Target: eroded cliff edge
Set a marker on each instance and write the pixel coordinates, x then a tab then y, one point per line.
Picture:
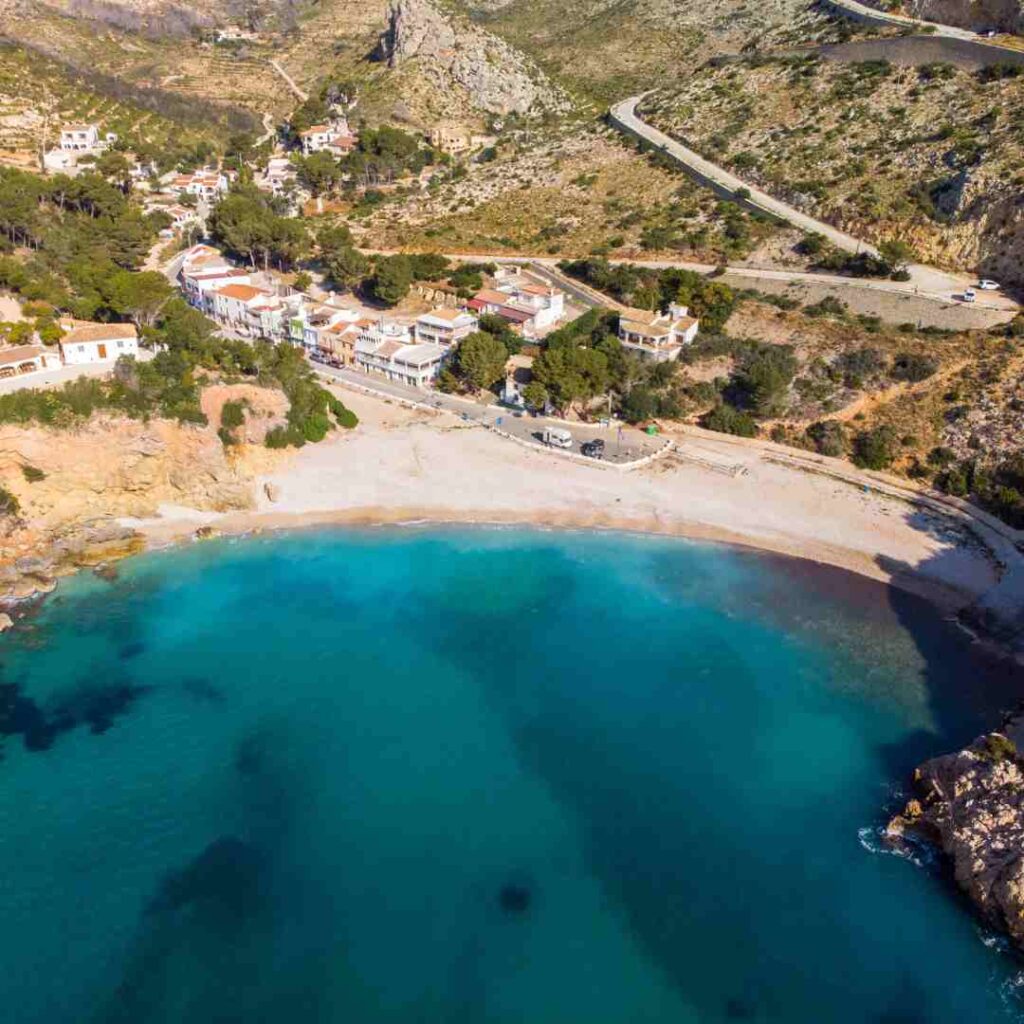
970	804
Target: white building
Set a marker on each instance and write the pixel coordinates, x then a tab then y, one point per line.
204	184
79	138
387	348
445	326
657	336
334	138
24	359
98	343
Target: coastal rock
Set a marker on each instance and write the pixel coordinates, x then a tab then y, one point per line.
5	622
971	805
497	78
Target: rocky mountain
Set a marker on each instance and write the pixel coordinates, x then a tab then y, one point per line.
971	805
496	78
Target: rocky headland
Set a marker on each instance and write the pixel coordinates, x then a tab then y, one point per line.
970	804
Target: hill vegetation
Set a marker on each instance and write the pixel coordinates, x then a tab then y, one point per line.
928	154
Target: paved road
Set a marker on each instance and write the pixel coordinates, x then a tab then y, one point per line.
1002	307
626	446
927	280
862	12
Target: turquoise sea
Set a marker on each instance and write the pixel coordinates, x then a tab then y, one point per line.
482	776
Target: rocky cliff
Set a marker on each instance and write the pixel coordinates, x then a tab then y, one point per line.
453	54
72	486
971	805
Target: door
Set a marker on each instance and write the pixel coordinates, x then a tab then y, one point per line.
102	351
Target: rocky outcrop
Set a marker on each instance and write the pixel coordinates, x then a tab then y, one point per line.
80	481
496	78
971	805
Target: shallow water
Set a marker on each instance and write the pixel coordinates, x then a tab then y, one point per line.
482	776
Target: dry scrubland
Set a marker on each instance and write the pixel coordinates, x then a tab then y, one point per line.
962	393
573	191
929	154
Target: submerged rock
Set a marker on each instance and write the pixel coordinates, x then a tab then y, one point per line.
514	899
971	805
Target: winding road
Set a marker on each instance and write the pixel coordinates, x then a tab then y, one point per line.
872	15
924	279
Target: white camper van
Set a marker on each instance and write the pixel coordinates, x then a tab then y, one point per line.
556	437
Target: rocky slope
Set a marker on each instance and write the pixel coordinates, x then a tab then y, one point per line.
927	153
72	485
453	54
971	805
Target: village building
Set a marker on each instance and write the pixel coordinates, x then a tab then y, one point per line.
657	336
80	138
334	138
386	348
203	184
278	176
249	309
518	373
336	344
24	359
445	326
450	138
528	308
98	343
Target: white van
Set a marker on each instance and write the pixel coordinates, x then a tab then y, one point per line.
556	437
969	295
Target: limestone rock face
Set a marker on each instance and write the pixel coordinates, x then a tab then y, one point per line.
497	78
972	806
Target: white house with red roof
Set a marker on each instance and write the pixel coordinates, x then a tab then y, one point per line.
335	138
655	335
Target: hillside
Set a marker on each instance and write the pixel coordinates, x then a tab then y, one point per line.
603	50
929	154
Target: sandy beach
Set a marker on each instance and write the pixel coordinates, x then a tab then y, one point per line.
403	466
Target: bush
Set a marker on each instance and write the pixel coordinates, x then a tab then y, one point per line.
913	367
347	418
284	437
728	420
33	474
9	504
232	415
828	437
875	449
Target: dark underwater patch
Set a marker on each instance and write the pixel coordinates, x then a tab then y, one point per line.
222	882
95	706
132	650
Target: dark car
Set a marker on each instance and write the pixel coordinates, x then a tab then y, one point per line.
593	449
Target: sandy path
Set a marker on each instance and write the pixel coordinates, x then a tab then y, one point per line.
402	466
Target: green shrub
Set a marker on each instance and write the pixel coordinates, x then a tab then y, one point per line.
9	504
875	449
728	420
33	474
232	415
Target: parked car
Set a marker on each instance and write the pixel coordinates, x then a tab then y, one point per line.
969	295
593	449
988	286
556	437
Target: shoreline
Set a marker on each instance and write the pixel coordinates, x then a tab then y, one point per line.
167	533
